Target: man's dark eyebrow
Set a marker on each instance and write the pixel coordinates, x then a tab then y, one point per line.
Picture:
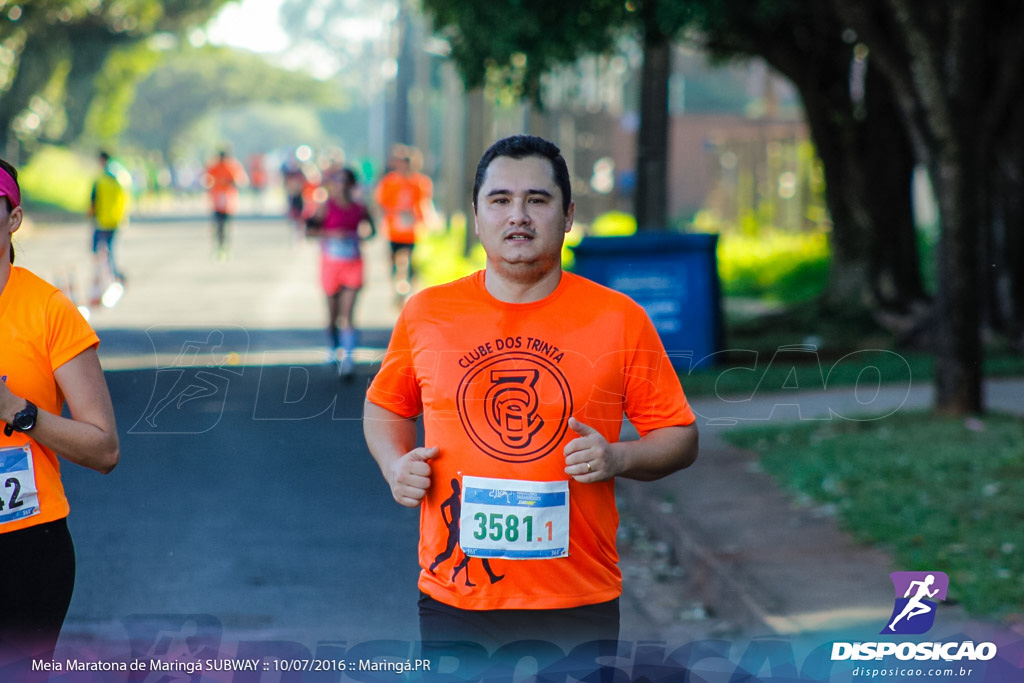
500	191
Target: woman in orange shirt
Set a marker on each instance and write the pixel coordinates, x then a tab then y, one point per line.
49	356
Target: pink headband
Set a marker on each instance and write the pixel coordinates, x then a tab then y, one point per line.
9	188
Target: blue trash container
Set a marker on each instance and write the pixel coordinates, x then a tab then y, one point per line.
674	276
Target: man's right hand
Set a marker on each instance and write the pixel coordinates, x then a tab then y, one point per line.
409	477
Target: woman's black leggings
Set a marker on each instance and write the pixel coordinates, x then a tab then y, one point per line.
37	577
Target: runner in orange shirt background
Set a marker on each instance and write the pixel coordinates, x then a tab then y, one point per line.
405	198
223	177
521	374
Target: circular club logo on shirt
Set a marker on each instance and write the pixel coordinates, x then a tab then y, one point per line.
515	407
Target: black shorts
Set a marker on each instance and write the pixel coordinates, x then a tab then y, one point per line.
36	582
401	246
103	237
493	629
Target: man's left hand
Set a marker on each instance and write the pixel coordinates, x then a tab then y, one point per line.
589	457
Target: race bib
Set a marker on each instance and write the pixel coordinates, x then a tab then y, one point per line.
407	219
346	248
18	495
514	520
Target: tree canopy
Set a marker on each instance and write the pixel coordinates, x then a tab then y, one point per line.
193	81
56	48
886	85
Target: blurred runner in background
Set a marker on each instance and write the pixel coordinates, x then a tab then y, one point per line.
404	196
223	177
108	207
257	163
340	223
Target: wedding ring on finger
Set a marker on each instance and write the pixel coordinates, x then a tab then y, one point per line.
589	468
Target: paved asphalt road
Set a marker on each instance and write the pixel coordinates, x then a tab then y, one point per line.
246	502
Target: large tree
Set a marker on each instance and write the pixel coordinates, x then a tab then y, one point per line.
956	68
192	82
73	39
853	120
936	79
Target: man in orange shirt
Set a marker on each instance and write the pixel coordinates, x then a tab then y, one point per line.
521	374
223	178
404	196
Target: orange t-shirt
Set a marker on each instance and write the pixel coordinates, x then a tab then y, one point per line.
401	198
40	330
223	178
496	383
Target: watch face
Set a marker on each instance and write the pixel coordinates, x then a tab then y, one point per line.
25	419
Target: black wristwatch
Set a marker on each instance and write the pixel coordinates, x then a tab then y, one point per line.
24	419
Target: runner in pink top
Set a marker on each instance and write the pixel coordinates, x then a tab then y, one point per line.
341	223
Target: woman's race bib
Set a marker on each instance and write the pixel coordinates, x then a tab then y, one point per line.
341	248
18	495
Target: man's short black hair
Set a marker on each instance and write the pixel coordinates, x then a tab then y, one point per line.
521	147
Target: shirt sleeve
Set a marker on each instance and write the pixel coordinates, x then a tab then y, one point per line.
68	333
395	386
654	394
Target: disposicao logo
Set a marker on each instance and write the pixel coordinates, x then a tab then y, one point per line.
917	596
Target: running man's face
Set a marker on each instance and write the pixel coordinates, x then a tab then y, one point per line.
519	217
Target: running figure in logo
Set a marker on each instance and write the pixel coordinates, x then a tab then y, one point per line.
450	509
915	606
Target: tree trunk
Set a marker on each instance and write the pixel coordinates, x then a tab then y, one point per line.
651	196
36	64
958	321
953	67
477	119
1004	260
867	157
89	46
887	166
401	130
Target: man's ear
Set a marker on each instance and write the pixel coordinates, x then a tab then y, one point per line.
569	216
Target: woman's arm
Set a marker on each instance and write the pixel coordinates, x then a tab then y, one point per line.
89	438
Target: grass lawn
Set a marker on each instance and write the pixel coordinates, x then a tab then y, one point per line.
939	494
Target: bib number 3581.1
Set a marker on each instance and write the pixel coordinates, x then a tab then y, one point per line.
515	520
18	495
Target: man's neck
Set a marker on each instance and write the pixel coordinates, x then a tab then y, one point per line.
526	290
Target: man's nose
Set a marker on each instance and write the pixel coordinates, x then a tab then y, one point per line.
518	214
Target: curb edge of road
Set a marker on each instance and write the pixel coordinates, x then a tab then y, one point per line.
722	591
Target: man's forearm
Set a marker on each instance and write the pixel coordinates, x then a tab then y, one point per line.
659	453
388	436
